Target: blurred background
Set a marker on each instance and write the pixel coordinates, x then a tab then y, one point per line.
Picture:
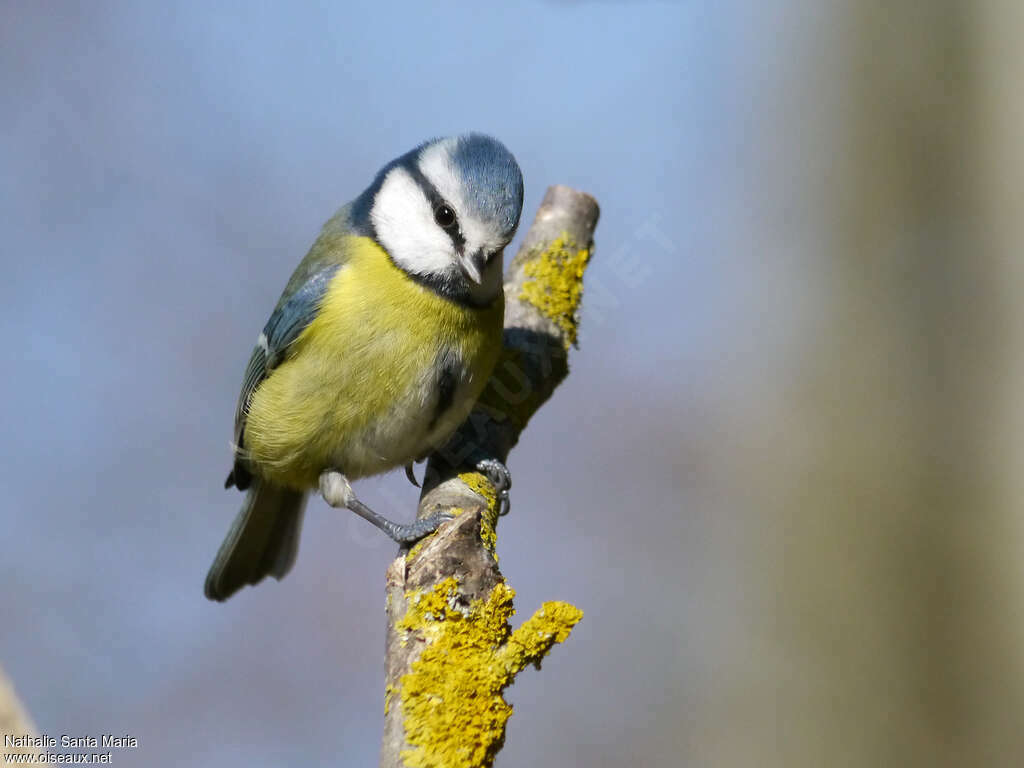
783	481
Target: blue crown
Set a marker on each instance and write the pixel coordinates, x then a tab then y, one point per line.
492	179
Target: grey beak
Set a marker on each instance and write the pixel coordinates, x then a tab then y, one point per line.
473	265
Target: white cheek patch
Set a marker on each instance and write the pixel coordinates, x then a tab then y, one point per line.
405	225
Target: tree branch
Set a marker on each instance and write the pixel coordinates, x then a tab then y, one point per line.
15	722
450	650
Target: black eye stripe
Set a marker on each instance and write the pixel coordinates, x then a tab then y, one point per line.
436	201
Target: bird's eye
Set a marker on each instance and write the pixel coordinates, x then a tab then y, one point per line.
444	216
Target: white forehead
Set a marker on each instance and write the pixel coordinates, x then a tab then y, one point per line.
435	163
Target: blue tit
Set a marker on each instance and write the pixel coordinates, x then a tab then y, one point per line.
376	351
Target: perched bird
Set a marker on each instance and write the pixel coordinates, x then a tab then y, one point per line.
376	351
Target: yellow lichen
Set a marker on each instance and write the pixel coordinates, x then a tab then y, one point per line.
550	625
480	484
556	286
452	703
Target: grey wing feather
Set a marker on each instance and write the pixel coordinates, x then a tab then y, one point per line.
255	372
294	312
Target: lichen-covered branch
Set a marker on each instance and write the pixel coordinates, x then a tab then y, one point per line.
451	651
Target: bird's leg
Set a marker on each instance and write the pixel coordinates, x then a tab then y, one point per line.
337	492
500	478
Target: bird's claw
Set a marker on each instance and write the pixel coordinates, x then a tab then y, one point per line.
501	479
409	473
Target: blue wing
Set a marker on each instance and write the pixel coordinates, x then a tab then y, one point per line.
293	313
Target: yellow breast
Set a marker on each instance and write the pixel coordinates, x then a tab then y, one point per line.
359	392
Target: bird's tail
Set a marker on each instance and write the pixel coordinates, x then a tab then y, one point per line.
264	539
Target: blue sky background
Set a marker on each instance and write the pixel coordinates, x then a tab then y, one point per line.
162	169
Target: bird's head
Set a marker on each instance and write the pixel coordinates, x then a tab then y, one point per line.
446	210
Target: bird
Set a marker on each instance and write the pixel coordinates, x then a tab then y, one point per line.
380	344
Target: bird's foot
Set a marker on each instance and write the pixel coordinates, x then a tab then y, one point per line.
409	533
501	479
337	491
